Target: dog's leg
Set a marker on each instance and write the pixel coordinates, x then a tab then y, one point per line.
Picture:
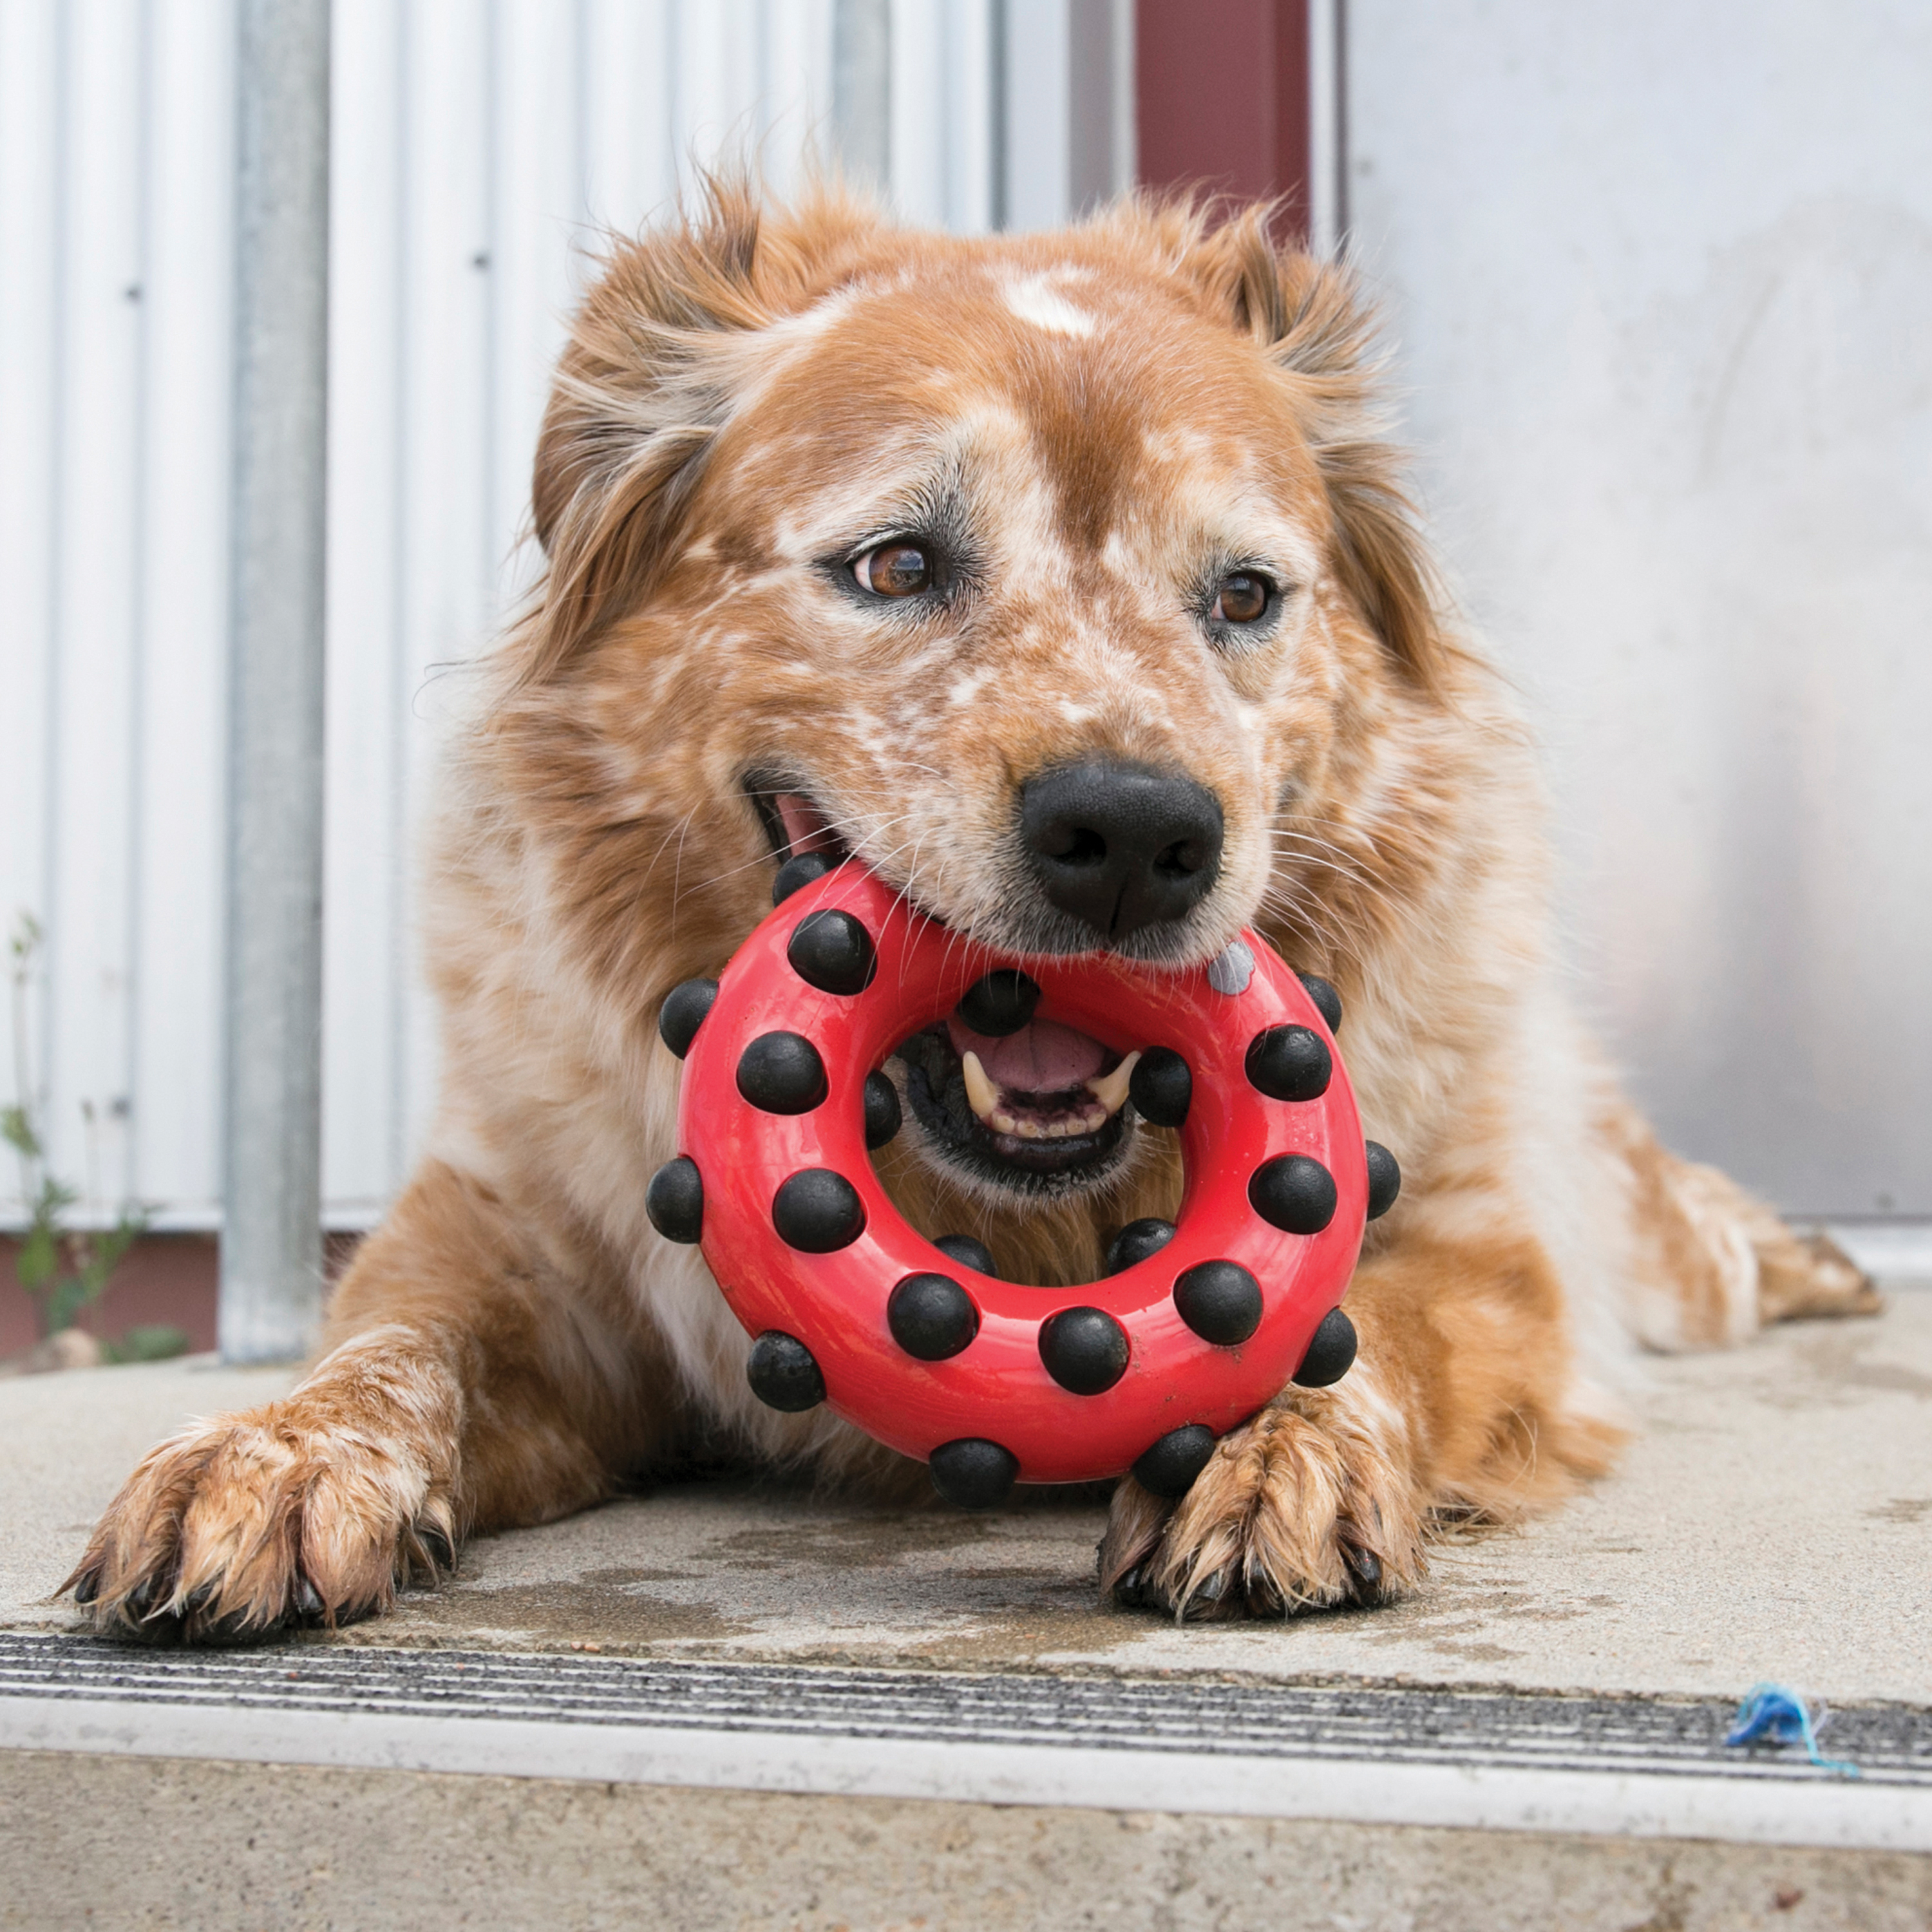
471	1384
1710	1263
1463	1402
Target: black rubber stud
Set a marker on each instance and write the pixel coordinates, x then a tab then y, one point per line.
931	1317
1161	1088
831	951
1289	1062
1136	1241
799	871
675	1200
682	1013
818	1211
968	1252
972	1473
1331	1352
781	1073
783	1374
1220	1301
1295	1193
1084	1349
1169	1468
1001	1004
882	1110
1327	1001
1384	1179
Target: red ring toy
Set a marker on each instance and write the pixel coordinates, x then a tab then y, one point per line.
1206	1344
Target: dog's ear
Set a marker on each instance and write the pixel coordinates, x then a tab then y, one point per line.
1311	320
662	344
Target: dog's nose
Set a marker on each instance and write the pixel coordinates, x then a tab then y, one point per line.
1120	846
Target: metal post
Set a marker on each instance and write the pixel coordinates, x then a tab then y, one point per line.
271	1229
861	90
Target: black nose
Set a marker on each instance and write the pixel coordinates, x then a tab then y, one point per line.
1120	846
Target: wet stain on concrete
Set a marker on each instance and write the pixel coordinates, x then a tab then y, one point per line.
554	1612
1901	1509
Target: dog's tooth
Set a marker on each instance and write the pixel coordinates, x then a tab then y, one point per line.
1110	1090
982	1096
1028	1130
1003	1122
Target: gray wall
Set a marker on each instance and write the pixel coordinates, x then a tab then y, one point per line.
1660	279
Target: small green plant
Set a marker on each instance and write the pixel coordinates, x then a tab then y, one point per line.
65	1269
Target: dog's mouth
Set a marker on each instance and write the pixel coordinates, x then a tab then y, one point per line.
1043	1110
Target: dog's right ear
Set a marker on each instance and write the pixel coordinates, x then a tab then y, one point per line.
658	353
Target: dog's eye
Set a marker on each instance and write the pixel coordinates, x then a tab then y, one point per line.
896	570
1241	597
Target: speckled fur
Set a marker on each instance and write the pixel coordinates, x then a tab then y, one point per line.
1105	413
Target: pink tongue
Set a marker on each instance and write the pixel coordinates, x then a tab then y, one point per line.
1043	1058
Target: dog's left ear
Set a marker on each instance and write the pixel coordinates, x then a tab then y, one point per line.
664	342
1311	320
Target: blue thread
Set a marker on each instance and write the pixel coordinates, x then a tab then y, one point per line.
1770	1714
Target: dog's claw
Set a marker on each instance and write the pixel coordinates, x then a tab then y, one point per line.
1130	1591
1365	1574
433	1541
309	1606
87	1586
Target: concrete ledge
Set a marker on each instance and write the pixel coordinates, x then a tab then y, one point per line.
183	1846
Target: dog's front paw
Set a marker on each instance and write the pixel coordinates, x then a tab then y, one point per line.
298	1513
1310	1504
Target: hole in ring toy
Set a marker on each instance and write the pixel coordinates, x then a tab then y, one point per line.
990	1382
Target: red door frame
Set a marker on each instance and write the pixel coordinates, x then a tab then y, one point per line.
1221	100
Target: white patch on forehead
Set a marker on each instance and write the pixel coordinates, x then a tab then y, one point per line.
1036	300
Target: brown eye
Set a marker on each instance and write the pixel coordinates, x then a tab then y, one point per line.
1244	598
895	570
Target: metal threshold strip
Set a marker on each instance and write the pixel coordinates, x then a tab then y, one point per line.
1494	1760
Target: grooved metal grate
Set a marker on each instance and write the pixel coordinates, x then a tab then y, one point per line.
1891	1745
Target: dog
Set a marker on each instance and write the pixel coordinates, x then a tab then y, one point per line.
855	538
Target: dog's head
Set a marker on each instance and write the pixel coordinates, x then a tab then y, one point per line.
1052	576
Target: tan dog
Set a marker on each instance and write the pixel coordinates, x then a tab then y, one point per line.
861	539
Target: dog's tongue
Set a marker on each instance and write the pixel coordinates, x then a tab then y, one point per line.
1043	1058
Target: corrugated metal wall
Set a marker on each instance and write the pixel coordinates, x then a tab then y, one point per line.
479	147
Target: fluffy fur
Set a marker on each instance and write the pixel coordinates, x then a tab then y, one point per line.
1097	423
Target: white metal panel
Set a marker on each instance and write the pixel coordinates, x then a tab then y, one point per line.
30	330
364	875
100	551
181	613
1660	275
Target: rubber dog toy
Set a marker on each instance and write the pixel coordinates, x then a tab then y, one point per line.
918	1343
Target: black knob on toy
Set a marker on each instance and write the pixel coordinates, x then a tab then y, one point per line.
972	1473
1331	1352
818	1211
1289	1062
931	1317
1294	1192
1084	1349
1220	1301
1161	1088
675	1200
1326	1000
1001	1004
1136	1241
1384	1179
799	871
781	1073
1169	1468
783	1374
682	1013
968	1252
831	951
882	1110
